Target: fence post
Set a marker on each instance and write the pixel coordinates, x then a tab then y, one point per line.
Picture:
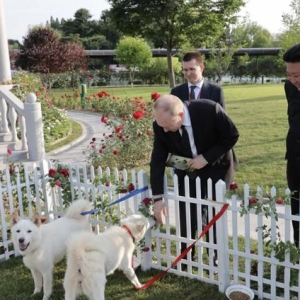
146	252
222	240
34	128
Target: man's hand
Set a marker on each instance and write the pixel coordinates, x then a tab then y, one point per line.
198	162
160	211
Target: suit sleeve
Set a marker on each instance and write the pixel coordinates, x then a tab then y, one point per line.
158	160
227	136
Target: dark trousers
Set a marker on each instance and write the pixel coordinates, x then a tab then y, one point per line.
193	212
293	179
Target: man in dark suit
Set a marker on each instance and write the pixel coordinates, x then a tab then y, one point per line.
211	135
197	87
192	68
292	92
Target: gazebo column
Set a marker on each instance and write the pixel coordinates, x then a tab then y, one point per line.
5	72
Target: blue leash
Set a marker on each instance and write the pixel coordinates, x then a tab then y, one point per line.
133	193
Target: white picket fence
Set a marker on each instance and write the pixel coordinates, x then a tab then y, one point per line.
242	257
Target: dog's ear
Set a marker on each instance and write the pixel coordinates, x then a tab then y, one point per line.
140	226
15	218
35	219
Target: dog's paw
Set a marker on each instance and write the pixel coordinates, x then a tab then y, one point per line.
36	291
137	286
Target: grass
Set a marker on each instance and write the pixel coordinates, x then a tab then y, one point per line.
260	114
16	283
76	132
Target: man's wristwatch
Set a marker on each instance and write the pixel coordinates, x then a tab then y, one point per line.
157	199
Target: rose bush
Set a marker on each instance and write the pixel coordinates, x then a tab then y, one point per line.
129	143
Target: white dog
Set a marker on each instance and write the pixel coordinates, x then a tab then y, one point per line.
91	257
44	245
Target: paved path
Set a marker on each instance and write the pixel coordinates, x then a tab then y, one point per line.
92	128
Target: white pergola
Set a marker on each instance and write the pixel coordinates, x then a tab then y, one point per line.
5	72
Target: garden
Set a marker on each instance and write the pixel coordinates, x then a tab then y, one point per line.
261	147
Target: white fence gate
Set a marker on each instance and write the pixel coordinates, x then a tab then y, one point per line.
241	241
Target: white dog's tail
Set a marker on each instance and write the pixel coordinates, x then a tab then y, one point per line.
76	208
85	263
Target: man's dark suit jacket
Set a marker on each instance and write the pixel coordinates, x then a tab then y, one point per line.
293	137
209	91
214	134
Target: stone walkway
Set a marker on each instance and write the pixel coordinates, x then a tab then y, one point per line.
92	128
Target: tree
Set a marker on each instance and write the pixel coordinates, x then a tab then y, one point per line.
134	54
43	52
92	34
157	72
291	22
82	24
251	35
174	21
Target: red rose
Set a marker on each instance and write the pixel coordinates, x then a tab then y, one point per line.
155	96
9	151
233	186
131	187
118	128
115	152
146	201
100	151
146	249
138	114
52	172
64	172
253	200
279	201
107	183
57	183
104	120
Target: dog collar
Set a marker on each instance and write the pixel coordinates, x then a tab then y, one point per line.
129	232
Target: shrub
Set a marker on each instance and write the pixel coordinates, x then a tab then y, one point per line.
130	142
56	123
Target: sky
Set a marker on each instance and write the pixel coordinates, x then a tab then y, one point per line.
19	15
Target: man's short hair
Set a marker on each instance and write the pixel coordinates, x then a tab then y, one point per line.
292	54
193	55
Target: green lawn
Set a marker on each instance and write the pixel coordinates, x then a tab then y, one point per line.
16	283
260	113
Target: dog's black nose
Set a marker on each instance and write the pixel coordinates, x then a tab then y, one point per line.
21	240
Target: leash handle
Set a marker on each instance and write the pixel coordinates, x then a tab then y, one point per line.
131	194
207	227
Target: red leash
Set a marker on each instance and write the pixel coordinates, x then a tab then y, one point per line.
207	227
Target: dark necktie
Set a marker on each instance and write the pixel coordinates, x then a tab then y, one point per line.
185	143
192	94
